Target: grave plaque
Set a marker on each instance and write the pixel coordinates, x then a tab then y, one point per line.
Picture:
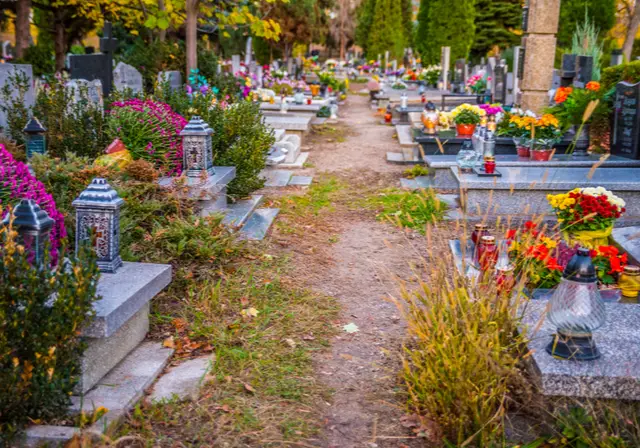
500	84
521	55
235	64
525	17
625	132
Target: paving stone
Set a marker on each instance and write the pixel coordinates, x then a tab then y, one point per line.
238	213
276	178
36	435
183	381
301	181
259	223
399	158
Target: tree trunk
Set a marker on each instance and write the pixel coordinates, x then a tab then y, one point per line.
163	33
632	29
342	40
192	36
23	33
59	42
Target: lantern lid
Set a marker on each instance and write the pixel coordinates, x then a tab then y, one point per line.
196	126
34	127
99	194
430	106
28	215
580	268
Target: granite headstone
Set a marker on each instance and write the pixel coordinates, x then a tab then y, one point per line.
625	132
9	72
126	76
174	78
96	66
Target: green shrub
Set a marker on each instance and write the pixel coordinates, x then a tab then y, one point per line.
629	72
242	140
39	343
12	97
149	58
41	57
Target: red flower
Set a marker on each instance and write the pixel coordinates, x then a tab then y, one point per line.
610	251
616	265
552	264
511	233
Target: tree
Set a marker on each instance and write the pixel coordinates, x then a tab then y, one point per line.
407	21
422	31
632	30
602	14
495	23
22	25
387	33
342	26
450	24
364	15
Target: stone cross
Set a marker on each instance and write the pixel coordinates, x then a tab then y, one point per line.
248	52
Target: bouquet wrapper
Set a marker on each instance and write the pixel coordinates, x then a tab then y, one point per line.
590	239
118	160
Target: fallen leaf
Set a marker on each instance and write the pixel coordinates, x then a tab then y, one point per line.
291	343
351	328
244	301
169	342
308	337
250	312
249	388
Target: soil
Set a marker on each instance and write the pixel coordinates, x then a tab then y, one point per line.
361	270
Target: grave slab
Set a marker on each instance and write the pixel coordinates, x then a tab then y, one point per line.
277	178
213	188
297	109
182	382
288	122
301	181
299	162
615	375
525	190
444	177
628	239
417	183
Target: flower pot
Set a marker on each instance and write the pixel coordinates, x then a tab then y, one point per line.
523	151
315	89
541	155
465	130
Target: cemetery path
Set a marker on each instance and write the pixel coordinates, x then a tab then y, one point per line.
360	269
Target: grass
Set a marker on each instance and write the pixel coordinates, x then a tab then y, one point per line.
416	171
261	390
408	209
331	133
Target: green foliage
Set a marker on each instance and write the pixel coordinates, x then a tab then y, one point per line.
40	56
12	104
407	21
365	13
242	140
629	71
416	171
585	42
572	12
495	23
410	209
449	24
387	32
40	345
149	58
422	30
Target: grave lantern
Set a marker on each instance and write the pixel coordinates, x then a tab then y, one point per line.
35	138
576	309
404	101
197	151
617	57
33	226
98	221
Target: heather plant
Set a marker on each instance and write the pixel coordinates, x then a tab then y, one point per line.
150	130
16	182
41	311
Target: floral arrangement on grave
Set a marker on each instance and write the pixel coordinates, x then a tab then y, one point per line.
609	263
16	183
587	215
150	130
466	117
535	255
431	75
477	84
398	85
410	75
493	109
534	137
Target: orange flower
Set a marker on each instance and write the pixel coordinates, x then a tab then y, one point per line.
562	94
594	86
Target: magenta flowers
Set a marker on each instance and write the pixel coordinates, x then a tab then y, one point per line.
16	182
150	130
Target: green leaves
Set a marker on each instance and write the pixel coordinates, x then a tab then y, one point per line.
159	20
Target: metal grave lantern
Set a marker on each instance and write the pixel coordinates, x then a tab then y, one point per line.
33	226
98	221
35	138
196	146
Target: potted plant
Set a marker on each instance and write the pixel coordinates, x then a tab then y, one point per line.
587	215
545	133
466	117
518	127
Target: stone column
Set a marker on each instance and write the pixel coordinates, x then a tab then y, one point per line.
540	25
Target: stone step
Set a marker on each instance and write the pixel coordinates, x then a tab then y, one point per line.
405	135
182	382
301	181
259	223
119	391
276	178
401	158
237	214
299	162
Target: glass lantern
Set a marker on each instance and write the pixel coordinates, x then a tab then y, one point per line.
98	221
576	309
430	119
489	145
33	226
299	98
466	158
629	283
404	101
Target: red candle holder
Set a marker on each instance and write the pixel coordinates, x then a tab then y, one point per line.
490	165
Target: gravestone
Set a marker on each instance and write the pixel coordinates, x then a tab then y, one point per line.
386	60
235	64
174	78
11	71
96	66
125	77
248	52
625	132
7	50
445	61
459	75
584	70
515	87
94	92
500	83
490	77
568	72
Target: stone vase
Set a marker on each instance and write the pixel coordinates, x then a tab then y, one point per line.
582	140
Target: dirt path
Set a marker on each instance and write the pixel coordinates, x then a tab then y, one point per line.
361	367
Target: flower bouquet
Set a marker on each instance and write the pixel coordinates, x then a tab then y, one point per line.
477	84
609	262
431	75
535	256
466	117
587	215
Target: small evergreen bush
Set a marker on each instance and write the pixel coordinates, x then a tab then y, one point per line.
41	313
